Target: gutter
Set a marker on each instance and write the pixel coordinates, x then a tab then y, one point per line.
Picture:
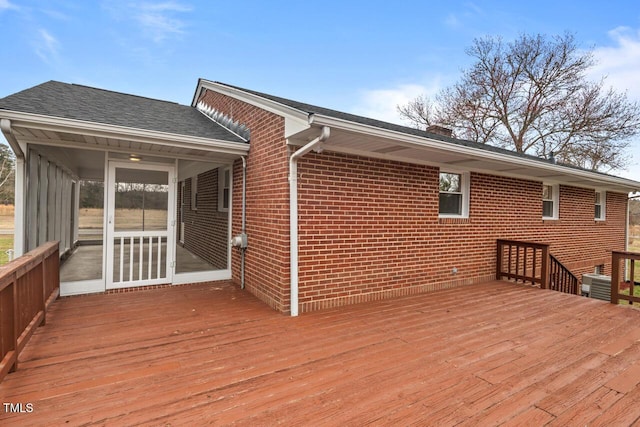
415	141
20	187
293	210
5	125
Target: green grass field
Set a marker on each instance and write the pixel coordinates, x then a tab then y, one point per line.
6	243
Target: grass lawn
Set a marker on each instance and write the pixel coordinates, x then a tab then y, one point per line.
6	240
6	243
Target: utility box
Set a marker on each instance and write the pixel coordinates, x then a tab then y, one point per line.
240	241
596	286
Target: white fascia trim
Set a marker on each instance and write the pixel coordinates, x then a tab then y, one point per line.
57	124
298	120
5	128
412	140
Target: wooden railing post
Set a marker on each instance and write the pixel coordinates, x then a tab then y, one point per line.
16	314
499	259
8	338
615	277
43	290
544	280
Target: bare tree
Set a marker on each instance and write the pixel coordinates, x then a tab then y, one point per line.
533	96
7	175
421	112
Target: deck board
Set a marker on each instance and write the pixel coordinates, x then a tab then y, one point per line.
489	354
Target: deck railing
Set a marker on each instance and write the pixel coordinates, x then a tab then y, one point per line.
529	262
561	278
523	262
28	285
617	276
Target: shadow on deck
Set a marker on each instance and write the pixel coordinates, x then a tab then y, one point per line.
495	352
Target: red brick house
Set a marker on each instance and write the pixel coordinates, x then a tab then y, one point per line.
334	208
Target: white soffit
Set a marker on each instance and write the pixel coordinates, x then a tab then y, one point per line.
354	138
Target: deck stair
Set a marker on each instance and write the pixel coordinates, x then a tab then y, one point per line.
528	262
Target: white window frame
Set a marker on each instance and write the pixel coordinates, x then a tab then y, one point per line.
603	205
555	199
222	171
465	190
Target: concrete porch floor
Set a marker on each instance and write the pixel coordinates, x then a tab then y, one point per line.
86	263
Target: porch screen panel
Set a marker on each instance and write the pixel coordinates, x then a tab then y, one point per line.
59	225
87	262
51	202
43	220
32	201
66	212
205	233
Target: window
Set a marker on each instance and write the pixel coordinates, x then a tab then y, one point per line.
224	185
194	193
454	194
600	202
550	195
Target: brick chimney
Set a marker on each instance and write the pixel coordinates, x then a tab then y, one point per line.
440	130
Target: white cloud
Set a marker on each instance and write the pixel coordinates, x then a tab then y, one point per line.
7	5
158	20
452	21
468	12
382	104
620	63
46	46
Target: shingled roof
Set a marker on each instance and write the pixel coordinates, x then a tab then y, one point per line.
314	109
72	101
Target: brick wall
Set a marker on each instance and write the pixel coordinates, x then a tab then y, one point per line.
267	258
205	229
369	229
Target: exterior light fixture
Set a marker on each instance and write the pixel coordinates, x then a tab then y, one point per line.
135	158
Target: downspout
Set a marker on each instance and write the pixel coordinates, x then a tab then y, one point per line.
244	217
293	211
19	188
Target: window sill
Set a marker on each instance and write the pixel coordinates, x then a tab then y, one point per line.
453	219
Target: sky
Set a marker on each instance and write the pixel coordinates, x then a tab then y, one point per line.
361	57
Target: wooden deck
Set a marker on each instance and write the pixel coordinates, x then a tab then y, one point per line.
490	354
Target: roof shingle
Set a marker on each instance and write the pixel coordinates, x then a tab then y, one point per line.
71	101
